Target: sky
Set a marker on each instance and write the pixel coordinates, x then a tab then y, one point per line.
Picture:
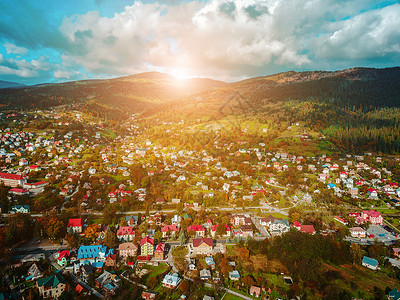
56	41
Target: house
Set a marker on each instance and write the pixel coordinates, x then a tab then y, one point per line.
238	220
18	192
125	233
168	230
171	281
340	220
267	221
357	232
396	251
198	229
132	220
127	249
33	272
111	259
74	226
12	180
205	274
255	291
370	263
210	261
93	253
24	209
176	220
149	295
234	275
52	286
394	294
307	229
192	264
107	278
279	226
372	216
159	252
61	257
247	231
202	246
147	246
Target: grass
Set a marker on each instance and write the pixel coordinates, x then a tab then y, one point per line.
231	297
364	278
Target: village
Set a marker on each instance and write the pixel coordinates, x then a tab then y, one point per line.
100	211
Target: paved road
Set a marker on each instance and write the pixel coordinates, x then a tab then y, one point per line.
261	229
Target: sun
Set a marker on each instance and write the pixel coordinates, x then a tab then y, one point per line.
179	74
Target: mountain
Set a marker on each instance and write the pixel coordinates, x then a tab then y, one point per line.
133	93
9	84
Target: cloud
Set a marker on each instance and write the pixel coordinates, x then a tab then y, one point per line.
11	48
224	39
23	68
369	35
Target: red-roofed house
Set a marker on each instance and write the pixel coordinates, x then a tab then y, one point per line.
12	180
307	229
61	257
198	229
169	230
74	226
125	233
372	216
19	192
147	246
159	252
202	246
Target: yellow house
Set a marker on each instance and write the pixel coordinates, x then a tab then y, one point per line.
147	246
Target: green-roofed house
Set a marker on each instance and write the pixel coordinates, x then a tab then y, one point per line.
370	263
394	294
187	216
52	286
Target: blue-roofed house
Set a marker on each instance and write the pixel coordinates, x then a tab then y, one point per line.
331	186
171	280
370	263
210	261
234	275
93	253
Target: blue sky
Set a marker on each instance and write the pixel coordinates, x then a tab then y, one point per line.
55	41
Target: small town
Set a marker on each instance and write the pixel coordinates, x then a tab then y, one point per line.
200	150
157	221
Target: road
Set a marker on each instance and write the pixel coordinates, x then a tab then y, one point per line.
261	229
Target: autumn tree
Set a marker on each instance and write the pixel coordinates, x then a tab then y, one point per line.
54	228
248	280
110	239
92	232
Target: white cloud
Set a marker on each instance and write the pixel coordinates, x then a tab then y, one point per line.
226	38
366	36
24	68
11	48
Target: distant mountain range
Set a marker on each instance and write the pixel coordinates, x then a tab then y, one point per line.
153	91
9	84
